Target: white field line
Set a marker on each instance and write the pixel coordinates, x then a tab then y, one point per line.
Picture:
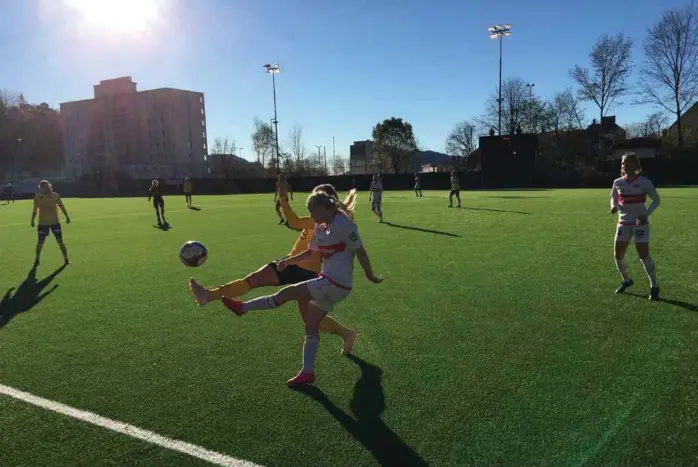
189	449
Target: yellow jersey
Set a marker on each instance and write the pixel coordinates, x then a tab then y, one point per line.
455	185
186	186
48	207
307	226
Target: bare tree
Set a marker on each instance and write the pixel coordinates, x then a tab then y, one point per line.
564	112
295	143
223	145
669	75
264	142
462	140
520	109
611	66
339	165
650	127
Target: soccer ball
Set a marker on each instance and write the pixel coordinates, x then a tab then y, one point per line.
193	254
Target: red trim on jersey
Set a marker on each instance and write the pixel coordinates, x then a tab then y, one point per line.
335	248
632	199
333	282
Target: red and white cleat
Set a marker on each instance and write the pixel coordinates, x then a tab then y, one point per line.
302	378
236	306
200	292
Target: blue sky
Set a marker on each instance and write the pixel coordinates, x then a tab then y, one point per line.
344	65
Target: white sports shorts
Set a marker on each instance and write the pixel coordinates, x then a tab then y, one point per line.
325	294
625	233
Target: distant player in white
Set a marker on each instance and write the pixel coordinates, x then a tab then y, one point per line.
628	198
335	241
375	195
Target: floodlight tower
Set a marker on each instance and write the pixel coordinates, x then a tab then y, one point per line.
498	31
273	70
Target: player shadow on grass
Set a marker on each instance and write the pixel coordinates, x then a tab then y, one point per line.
495	210
366	426
419	229
27	296
677	303
165	226
194	208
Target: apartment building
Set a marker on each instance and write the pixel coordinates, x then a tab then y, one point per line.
141	134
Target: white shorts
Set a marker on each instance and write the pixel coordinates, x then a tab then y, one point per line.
325	294
625	233
376	204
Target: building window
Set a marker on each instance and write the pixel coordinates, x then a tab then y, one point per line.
201	99
203	135
203	123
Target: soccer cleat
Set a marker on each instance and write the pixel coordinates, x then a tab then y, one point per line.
200	292
654	293
236	306
282	221
67	261
348	342
624	286
450	205
302	378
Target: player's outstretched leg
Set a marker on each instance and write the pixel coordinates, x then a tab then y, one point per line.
297	292
331	326
263	277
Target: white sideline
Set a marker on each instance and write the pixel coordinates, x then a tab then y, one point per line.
129	430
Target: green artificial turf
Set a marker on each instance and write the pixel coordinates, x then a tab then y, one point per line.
496	338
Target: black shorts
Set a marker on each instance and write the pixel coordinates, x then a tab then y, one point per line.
187	193
43	231
158	202
292	274
455	192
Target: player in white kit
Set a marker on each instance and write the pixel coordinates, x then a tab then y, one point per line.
628	198
335	241
375	195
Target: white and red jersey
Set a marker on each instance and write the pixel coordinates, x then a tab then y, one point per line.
337	242
629	195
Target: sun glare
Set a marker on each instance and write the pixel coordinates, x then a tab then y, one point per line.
117	16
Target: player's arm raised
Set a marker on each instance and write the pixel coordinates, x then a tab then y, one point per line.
295	222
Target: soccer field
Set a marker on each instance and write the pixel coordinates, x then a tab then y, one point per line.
496	338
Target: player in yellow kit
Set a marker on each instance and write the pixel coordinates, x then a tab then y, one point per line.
281	184
455	189
186	189
269	274
46	203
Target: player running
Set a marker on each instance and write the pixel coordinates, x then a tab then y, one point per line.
335	242
455	189
9	193
628	197
270	275
186	189
46	203
155	194
417	186
376	197
281	184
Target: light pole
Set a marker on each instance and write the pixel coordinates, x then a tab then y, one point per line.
319	155
273	70
240	153
530	107
498	31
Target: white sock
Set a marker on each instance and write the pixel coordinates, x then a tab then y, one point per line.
622	266
650	270
262	303
310	348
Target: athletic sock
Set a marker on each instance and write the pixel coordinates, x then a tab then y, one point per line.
622	266
262	303
650	269
310	348
235	288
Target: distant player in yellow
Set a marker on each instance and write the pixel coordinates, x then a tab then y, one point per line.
281	184
186	188
455	189
46	203
269	274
